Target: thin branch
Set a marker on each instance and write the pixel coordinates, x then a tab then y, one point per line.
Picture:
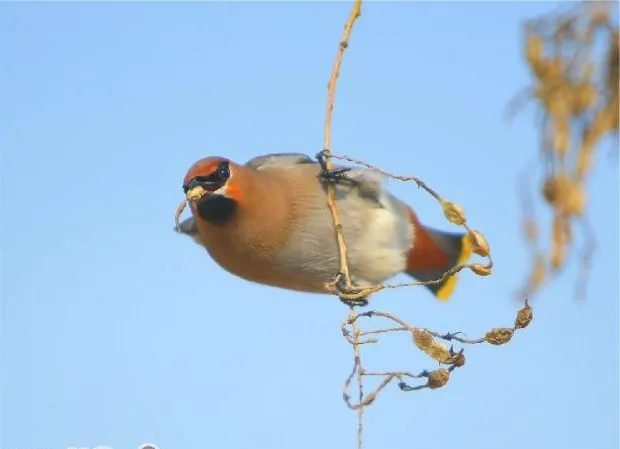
331	91
344	267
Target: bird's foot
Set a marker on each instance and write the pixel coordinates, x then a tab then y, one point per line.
349	294
357	302
334	175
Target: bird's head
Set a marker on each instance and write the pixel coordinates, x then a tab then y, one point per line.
217	176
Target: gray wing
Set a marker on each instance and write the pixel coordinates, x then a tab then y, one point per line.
367	181
279	160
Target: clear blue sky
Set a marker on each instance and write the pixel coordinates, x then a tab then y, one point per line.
116	331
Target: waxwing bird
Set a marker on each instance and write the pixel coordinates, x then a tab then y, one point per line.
268	221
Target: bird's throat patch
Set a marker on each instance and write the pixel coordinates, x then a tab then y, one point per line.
216	209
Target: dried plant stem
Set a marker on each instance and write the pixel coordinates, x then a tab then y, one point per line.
360	385
342	284
331	201
424	339
331	91
418	181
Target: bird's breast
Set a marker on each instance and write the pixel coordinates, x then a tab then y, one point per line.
252	244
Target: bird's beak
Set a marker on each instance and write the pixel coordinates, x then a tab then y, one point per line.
192	184
208	186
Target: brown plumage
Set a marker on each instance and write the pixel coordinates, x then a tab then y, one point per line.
267	221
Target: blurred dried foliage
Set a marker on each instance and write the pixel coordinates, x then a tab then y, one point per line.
573	57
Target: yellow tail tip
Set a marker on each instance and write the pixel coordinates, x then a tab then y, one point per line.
447	288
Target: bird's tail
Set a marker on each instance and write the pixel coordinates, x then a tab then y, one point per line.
434	252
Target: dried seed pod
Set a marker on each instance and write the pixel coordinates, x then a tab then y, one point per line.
555	187
426	342
456	359
524	317
479	244
422	339
438	352
550	190
370	398
453	212
499	335
479	269
438	378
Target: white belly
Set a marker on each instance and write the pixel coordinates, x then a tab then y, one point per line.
377	236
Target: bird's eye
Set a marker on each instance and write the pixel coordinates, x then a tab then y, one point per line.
223	172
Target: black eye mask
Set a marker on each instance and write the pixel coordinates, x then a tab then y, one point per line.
211	182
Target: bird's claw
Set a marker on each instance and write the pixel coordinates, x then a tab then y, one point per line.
357	302
335	175
345	290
